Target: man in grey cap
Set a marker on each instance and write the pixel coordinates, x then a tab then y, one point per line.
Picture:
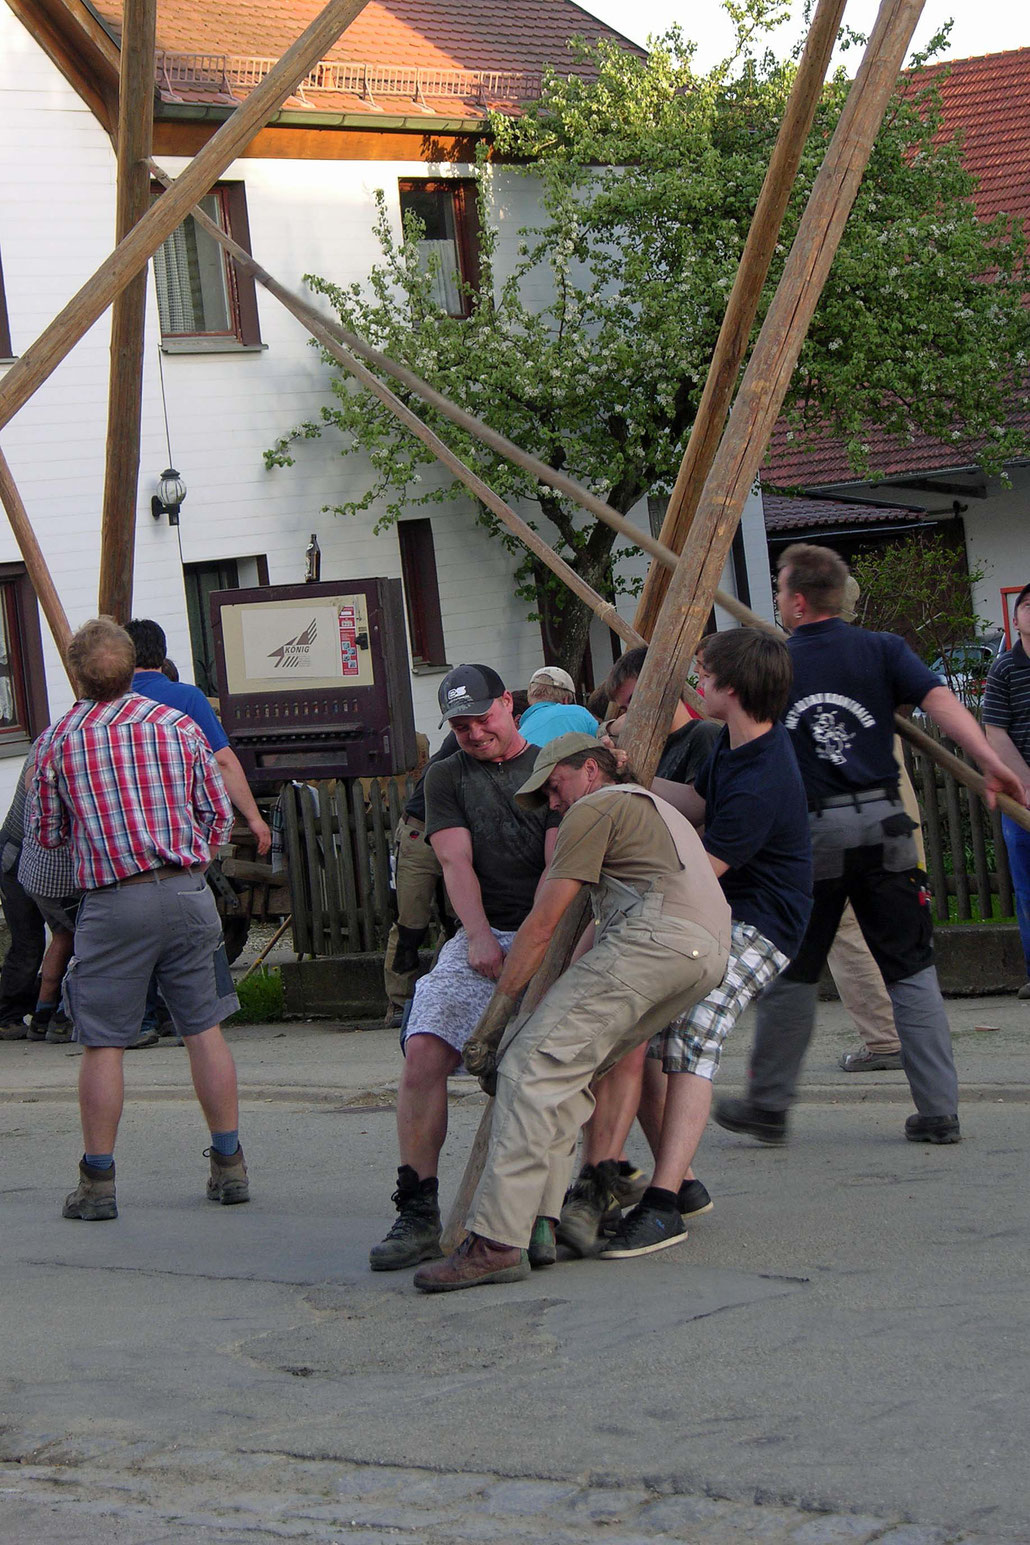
493	854
662	927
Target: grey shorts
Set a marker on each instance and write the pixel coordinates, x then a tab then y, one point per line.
59	912
449	1000
125	934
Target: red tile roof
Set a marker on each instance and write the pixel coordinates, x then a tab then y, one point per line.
988	100
469	53
783	513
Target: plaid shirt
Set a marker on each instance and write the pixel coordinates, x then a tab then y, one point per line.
134	786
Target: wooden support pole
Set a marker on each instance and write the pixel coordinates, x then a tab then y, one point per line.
43	356
125	383
35	563
742	306
692	587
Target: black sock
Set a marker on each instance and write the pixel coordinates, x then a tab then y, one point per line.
664	1201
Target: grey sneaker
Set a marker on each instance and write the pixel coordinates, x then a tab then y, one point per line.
1024	992
769	1126
866	1061
643	1231
13	1030
588	1201
415	1235
228	1181
93	1199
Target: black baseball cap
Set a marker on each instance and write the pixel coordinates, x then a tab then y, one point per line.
469	691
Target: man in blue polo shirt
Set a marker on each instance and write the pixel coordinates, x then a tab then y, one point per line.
1006	716
840	715
150	681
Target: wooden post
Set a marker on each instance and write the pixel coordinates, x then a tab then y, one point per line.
742	306
125	384
43	356
35	563
692	588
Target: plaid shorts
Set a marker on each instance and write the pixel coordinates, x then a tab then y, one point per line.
693	1042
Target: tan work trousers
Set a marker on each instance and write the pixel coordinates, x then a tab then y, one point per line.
418	870
644	970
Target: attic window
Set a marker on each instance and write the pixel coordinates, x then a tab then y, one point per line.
202	297
448	243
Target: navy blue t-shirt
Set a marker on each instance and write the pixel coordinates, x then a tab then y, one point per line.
756	820
847	684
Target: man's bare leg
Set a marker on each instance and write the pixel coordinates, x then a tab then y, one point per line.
422	1102
214	1078
51	972
617	1099
688	1100
101	1095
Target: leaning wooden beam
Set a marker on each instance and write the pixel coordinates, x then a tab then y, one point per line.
960	770
35	563
43	356
692	589
125	383
742	306
757	407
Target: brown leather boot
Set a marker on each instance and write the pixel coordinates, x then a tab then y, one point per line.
228	1182
476	1260
93	1199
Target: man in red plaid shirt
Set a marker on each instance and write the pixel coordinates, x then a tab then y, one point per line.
133	787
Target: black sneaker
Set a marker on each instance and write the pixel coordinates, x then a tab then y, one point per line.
588	1201
692	1199
415	1235
769	1126
933	1129
643	1231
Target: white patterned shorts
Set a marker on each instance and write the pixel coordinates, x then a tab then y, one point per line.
693	1042
449	1000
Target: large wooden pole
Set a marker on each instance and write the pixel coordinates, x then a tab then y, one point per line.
35	563
742	305
125	383
41	358
692	587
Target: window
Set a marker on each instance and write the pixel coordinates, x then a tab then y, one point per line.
24	710
421	593
202	297
200	580
6	352
450	244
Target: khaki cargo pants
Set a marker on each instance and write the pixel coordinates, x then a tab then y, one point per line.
645	970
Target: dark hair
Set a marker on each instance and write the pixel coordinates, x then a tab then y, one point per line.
597	702
605	760
626	668
817	573
170	669
102	659
756	665
1020	598
149	641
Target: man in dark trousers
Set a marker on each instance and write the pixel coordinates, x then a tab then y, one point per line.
847	684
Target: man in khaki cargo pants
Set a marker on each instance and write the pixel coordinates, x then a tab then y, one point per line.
662	936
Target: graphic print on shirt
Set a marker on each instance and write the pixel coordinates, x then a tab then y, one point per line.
825	716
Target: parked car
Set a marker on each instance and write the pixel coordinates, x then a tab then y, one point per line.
964	667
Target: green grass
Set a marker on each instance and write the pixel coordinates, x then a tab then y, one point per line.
996	914
261	999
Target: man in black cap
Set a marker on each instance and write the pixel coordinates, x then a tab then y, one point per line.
493	854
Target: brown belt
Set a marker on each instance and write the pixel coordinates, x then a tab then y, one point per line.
162	872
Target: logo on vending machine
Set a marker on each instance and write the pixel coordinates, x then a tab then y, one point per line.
295	651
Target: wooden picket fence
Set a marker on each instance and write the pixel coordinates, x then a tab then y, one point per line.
338	836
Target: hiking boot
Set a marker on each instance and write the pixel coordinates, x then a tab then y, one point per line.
475	1262
692	1199
769	1126
93	1199
415	1235
60	1030
228	1181
144	1039
1024	992
543	1249
643	1231
866	1061
588	1201
13	1030
933	1129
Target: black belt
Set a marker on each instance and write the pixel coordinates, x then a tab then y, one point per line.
856	798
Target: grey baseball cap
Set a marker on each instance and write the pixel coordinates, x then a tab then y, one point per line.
531	794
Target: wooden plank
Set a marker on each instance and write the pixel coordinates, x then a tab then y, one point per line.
742	306
380	862
300	905
330	858
314	862
35	564
363	871
341	802
1006	900
934	842
958	850
283	143
43	356
125	382
981	869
